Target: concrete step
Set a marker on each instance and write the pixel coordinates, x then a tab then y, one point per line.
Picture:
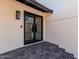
67	55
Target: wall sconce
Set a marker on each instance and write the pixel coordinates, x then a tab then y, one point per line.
18	14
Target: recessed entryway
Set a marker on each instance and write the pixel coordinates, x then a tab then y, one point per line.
33	28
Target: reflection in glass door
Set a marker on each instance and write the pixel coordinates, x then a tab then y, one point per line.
33	28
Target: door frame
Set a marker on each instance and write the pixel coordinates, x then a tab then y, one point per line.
25	12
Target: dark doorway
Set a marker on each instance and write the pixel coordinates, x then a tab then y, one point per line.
33	28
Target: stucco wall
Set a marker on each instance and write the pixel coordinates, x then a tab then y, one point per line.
11	35
61	26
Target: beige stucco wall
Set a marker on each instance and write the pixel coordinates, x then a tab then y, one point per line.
11	35
62	25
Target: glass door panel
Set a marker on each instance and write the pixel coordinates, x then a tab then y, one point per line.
38	20
39	28
29	20
29	36
28	28
38	36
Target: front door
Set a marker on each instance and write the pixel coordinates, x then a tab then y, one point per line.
33	28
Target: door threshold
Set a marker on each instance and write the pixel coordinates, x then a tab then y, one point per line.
33	43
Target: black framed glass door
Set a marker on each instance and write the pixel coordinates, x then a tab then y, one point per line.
33	28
